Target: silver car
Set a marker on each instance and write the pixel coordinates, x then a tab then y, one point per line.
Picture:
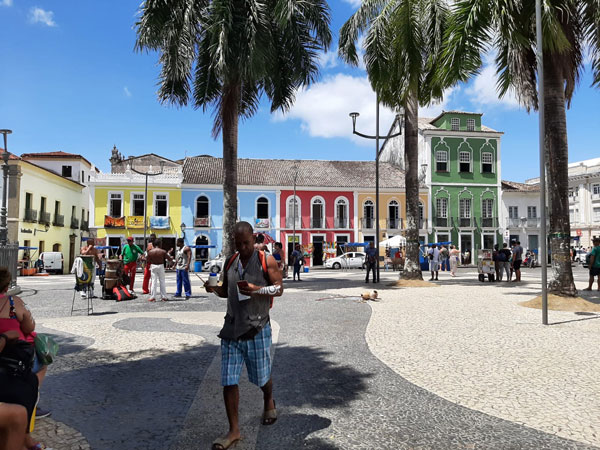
350	260
213	265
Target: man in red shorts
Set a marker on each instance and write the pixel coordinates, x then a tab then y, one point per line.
130	255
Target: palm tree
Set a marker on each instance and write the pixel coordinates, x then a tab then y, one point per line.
225	54
508	27
402	46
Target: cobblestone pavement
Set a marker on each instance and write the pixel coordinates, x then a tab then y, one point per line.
427	368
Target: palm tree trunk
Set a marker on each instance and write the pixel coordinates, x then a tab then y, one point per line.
558	179
412	268
230	117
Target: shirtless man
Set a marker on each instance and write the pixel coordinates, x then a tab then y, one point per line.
146	283
156	261
90	250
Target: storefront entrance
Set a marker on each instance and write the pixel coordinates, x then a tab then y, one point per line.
466	248
317	253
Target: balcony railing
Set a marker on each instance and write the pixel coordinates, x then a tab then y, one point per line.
317	222
368	222
489	222
289	222
533	222
465	222
30	215
441	221
202	222
85	225
74	223
44	218
394	224
513	223
573	199
341	223
59	220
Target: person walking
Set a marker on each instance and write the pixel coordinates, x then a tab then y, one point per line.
594	264
183	256
454	256
371	261
130	255
434	261
249	292
444	258
156	260
517	255
147	274
297	260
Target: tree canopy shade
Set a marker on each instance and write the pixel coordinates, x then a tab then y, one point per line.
225	54
403	45
508	28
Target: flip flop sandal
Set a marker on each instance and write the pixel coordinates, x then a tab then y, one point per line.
270	417
223	443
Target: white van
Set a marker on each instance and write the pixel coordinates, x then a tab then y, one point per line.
53	262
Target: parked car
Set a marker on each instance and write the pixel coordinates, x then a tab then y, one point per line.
52	262
352	260
213	265
586	259
580	256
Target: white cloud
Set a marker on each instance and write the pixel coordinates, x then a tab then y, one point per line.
323	108
328	60
127	91
39	15
6	3
354	3
483	92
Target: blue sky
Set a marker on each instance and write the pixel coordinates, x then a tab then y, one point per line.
71	81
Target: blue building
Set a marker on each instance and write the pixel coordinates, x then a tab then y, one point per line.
202	205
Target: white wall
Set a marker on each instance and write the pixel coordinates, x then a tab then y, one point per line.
521	200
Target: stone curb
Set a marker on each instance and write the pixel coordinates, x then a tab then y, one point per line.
58	436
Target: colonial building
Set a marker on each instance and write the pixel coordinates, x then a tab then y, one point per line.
520	214
459	160
48	205
119	200
584	200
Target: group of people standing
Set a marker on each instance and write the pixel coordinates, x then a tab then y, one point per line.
508	260
444	258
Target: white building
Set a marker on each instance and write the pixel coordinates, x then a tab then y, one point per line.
584	200
520	214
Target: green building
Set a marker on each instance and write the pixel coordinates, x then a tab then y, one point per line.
460	165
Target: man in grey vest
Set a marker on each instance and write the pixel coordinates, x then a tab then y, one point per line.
182	260
246	334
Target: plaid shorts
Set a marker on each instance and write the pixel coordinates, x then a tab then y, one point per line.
256	353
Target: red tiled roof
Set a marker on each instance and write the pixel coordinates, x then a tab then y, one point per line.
54	155
520	187
11	155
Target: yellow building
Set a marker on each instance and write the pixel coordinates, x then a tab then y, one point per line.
118	206
48	209
392	214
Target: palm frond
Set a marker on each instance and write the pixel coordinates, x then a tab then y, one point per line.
591	30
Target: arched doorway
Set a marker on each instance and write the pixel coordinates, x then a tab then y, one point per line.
202	253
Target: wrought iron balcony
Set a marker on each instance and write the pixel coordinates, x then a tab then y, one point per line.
533	222
422	224
31	215
489	222
289	222
317	222
465	222
85	225
202	222
74	223
394	224
441	221
59	220
513	223
44	218
368	222
341	223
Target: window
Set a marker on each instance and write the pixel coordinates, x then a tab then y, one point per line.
202	207
161	205
293	212
487	208
73	212
441	161
455	124
532	212
487	165
595	190
513	212
574	215
42	247
573	194
82	214
28	200
82	176
341	213
317	213
393	215
471	126
67	171
596	215
137	205
465	208
441	206
464	162
262	208
368	214
56	208
115	205
43	205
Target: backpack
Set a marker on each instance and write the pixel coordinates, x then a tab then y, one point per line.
121	293
263	261
501	256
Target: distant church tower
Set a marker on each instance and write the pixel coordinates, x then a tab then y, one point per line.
115	159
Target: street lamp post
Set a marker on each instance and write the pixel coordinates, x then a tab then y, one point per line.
294	209
354	116
3	210
147	174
